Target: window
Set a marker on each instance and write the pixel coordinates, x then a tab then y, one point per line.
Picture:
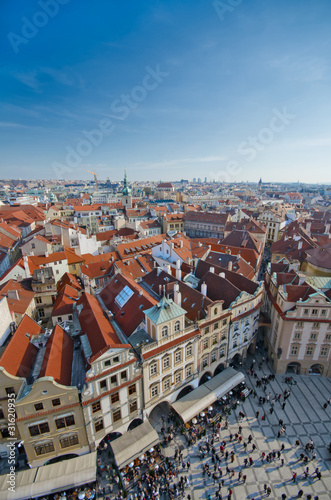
299	324
314	312
189	371
38	406
213	356
215	326
177	326
204	362
189	350
324	351
69	441
178	356
205	344
39	300
164	332
178	377
117	415
10	390
328	336
57	271
309	351
33	245
316	325
113	381
122	298
133	406
294	351
98	425
222	352
305	312
323	312
166	362
132	389
1	414
297	335
37	429
42	449
115	398
103	385
65	422
313	336
224	322
154	391
153	369
116	359
107	363
123	376
96	407
207	329
215	311
214	339
41	313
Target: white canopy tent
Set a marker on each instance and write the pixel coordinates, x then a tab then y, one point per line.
205	395
134	443
52	478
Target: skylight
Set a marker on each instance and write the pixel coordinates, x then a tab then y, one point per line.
122	298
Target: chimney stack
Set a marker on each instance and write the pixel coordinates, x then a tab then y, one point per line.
212	269
177	295
230	265
204	289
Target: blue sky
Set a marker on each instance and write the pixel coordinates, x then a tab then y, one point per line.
167	89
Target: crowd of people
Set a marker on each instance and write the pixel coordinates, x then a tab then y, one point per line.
227	455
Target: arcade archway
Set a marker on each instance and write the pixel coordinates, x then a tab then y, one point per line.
184	391
316	369
135	423
205	377
219	369
294	368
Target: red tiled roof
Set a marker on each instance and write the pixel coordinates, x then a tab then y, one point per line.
64	301
24	295
206	217
57	362
69	279
19	355
100	332
139	302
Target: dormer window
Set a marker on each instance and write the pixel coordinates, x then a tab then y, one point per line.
164	332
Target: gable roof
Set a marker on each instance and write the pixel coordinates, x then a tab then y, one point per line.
19	355
130	314
23	292
95	325
57	361
64	301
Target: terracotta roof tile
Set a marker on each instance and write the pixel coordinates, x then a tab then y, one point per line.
19	355
57	362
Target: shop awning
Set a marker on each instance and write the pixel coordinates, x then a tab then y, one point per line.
134	443
194	402
53	478
23	482
206	394
225	382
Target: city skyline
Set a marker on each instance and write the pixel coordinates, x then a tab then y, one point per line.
231	91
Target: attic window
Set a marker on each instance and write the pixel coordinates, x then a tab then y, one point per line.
122	298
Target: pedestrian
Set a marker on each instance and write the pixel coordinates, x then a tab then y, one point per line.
268	491
284	496
265	487
280	423
253	447
283	406
257	414
294	477
271	410
282	462
325	406
244	478
300	493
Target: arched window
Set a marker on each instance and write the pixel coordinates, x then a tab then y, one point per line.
164	332
177	326
215	311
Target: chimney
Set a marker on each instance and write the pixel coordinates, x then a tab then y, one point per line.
212	269
181	244
26	267
13	294
300	245
158	272
46	254
327	229
308	227
42	277
230	265
222	275
204	289
177	295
